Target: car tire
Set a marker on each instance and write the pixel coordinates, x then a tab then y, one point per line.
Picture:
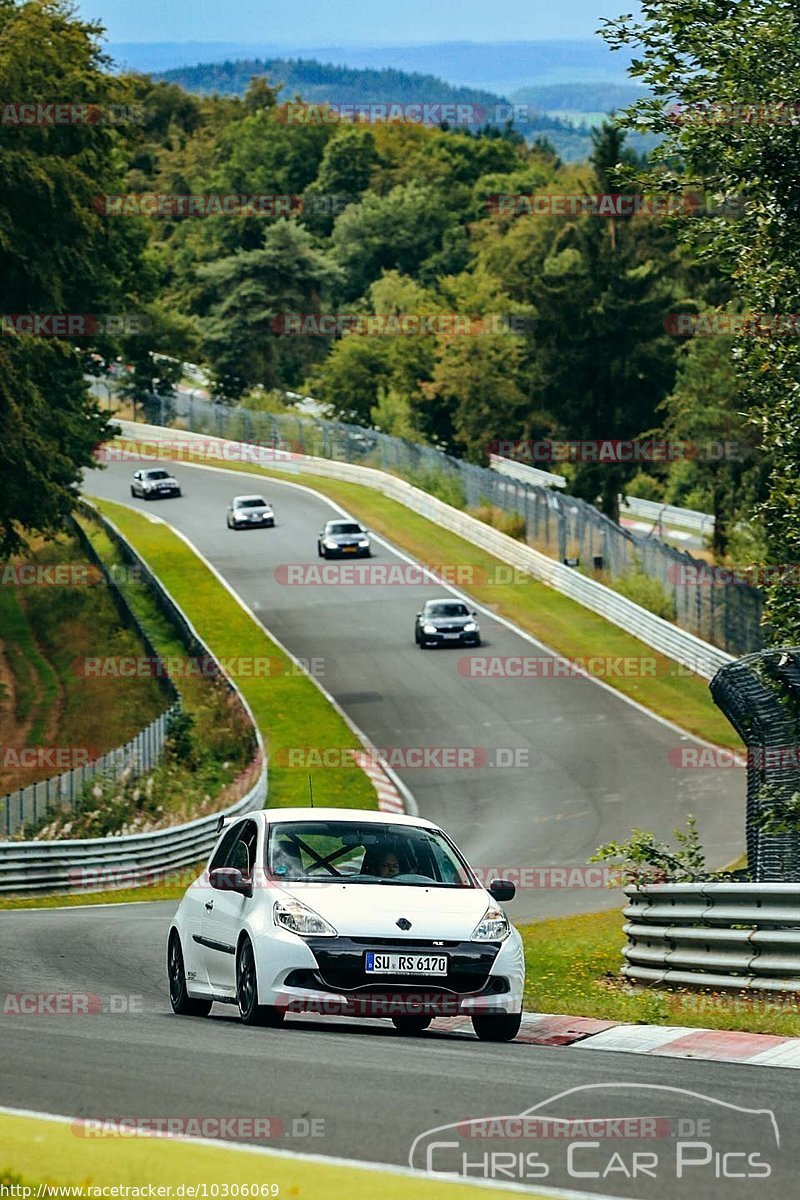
411	1026
182	1003
250	1011
322	553
133	491
496	1027
478	641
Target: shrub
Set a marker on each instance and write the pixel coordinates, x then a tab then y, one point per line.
648	592
445	485
510	523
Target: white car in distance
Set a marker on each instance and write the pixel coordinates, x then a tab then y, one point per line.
345	912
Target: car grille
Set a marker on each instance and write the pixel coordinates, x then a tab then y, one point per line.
341	965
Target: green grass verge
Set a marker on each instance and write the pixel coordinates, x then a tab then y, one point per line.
573	968
286	704
36	1151
561	623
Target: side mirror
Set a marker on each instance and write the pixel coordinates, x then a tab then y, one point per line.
503	889
230	879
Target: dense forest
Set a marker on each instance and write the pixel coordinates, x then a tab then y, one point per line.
572	312
320	82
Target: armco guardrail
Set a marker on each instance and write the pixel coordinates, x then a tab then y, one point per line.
668	514
632	506
127	861
131	859
726	936
661	635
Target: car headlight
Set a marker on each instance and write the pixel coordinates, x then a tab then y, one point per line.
429	629
330	543
493	927
364	543
299	918
471	627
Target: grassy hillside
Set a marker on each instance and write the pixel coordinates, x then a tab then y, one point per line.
46	701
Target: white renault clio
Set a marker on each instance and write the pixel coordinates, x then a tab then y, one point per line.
347	912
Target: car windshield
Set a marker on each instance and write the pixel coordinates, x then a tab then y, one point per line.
447	610
343	851
250	502
344	527
156	474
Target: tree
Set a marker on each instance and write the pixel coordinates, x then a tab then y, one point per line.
705	410
393	232
474	386
253	292
57	255
724	79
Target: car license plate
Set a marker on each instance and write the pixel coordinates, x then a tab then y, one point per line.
349	549
406	964
452	635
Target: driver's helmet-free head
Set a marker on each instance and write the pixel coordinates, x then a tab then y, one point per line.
382	861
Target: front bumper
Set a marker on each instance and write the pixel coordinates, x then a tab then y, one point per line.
261	523
347	552
443	639
327	975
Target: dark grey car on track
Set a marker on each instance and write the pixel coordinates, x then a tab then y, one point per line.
446	622
250	512
343	539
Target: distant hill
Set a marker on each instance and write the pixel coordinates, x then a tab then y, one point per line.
319	83
500	67
579	97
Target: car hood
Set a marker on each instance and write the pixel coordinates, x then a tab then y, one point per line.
361	909
160	482
448	622
256	509
343	538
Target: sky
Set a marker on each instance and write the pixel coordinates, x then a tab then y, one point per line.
299	23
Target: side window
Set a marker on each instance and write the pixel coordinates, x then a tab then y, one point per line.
243	852
224	847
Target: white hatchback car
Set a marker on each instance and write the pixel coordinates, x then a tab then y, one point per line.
346	912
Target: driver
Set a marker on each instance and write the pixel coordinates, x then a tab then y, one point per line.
384	863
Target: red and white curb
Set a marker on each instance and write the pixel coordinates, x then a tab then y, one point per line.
390	798
668	1041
